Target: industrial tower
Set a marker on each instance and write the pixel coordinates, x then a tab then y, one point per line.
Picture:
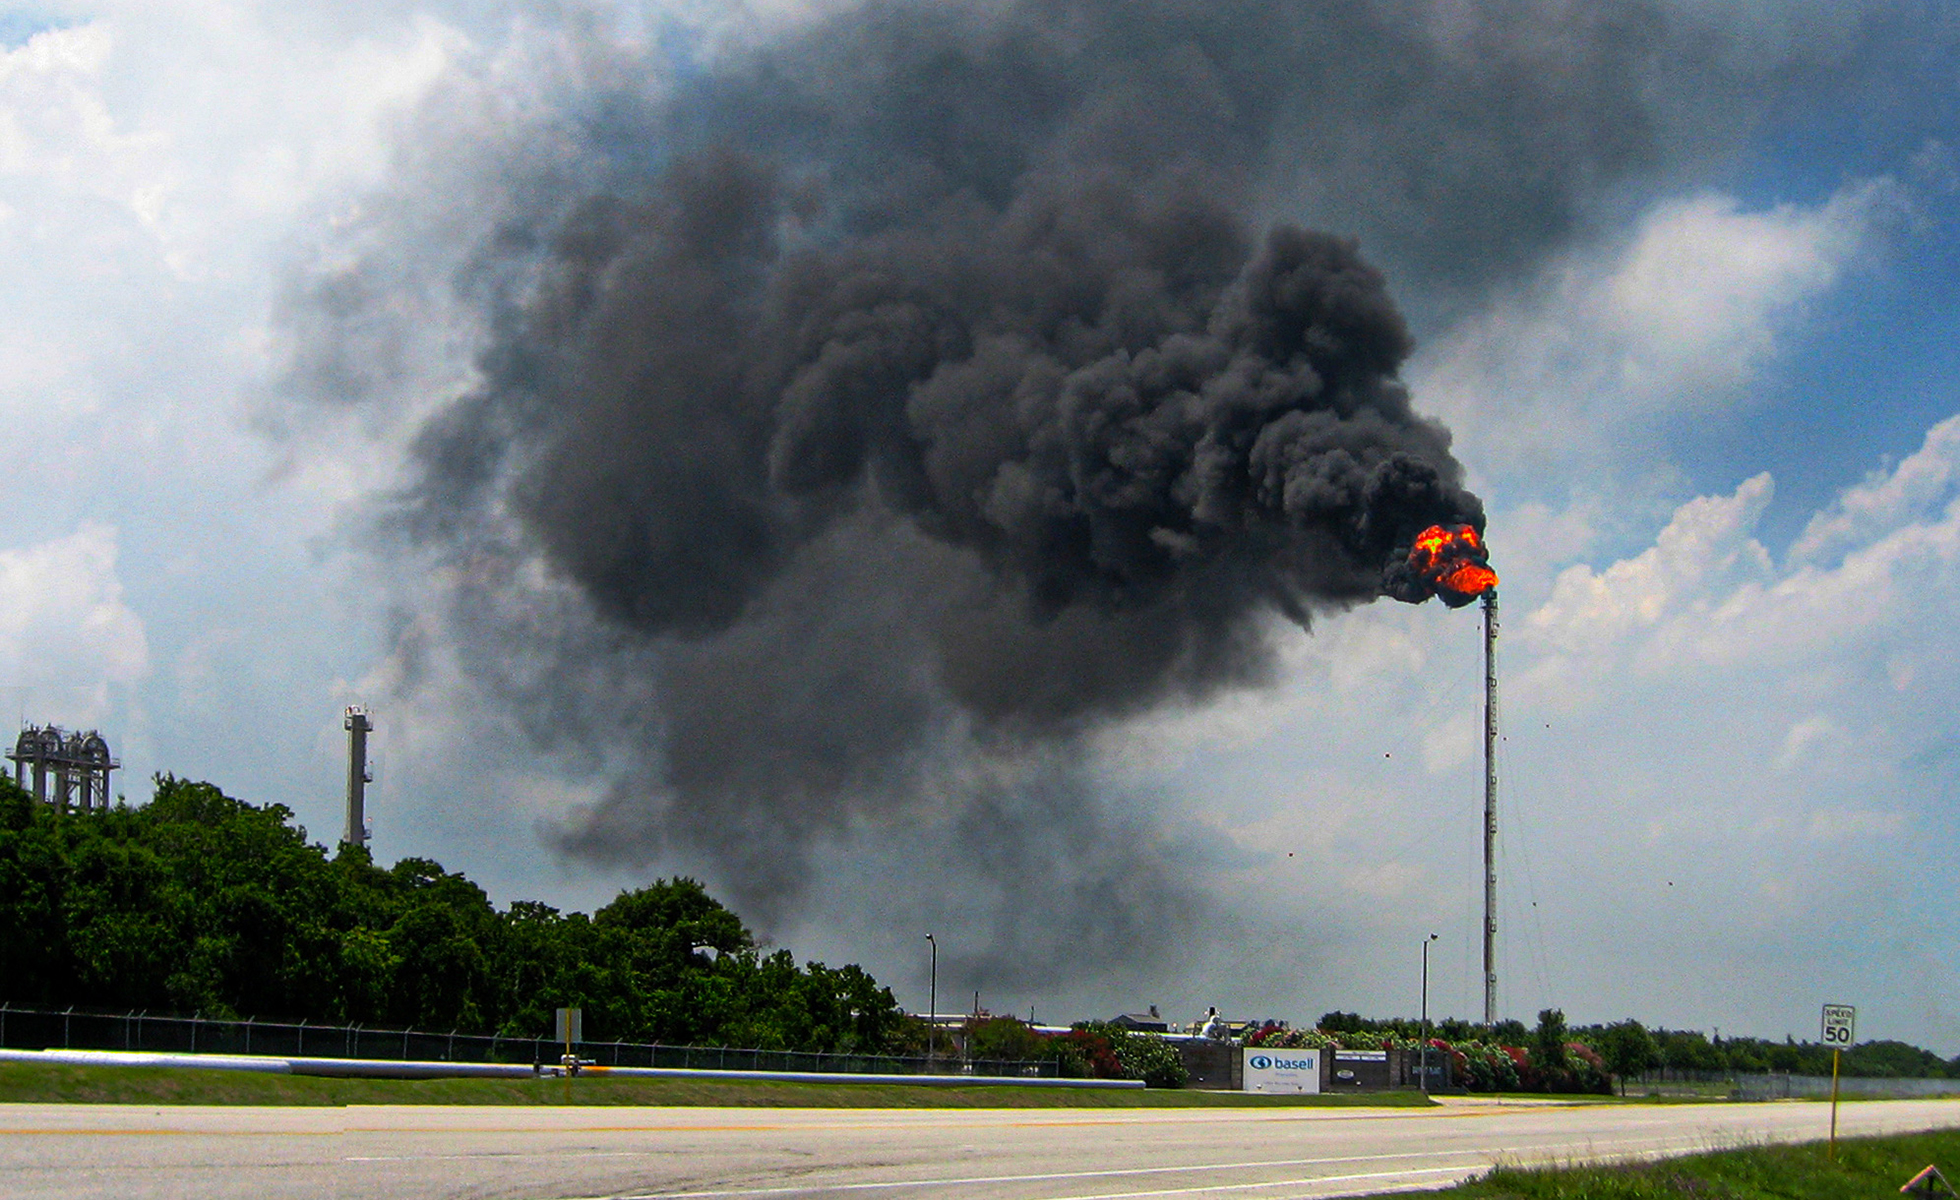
1490	808
358	726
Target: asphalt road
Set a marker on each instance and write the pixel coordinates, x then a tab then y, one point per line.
1021	1154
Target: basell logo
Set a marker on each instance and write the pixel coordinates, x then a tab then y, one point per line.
1262	1062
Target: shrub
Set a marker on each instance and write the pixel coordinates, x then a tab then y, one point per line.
1003	1038
1141	1055
1082	1054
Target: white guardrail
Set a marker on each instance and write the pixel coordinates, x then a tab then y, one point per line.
383	1068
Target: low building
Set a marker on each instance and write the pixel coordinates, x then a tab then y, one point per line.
1150	1022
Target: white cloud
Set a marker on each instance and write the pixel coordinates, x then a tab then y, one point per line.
1807	738
1689	307
1676	319
53	121
196	150
1916	489
66	636
1708	544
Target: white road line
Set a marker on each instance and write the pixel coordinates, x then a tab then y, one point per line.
499	1154
982	1180
1589	1151
1183	1191
1245	1187
1046	1177
1479	1157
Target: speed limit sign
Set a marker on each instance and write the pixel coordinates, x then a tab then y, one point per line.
1840	1026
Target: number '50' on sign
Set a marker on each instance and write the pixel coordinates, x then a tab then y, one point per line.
1840	1025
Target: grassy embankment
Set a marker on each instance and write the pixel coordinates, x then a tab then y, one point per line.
1866	1169
34	1083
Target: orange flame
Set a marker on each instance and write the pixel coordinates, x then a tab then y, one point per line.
1452	560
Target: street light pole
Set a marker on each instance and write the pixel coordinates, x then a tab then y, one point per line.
932	1000
1425	1011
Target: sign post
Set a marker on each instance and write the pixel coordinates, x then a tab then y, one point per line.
1840	1030
571	1029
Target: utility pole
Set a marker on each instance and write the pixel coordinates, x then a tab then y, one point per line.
1490	808
358	726
932	1002
1425	1011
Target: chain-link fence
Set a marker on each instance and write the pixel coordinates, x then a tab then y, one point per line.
75	1029
1780	1085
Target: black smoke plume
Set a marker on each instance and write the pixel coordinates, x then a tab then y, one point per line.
895	402
1132	428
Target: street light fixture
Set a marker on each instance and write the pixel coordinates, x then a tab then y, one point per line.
1425	1011
932	1000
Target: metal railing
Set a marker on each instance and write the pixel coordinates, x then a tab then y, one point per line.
78	1029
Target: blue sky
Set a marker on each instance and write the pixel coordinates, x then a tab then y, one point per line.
1709	430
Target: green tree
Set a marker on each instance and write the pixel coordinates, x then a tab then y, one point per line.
1003	1039
200	902
1548	1040
1627	1049
1893	1060
1687	1050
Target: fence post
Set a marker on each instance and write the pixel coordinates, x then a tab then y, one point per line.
405	1034
3	1022
64	1027
452	1045
299	1051
248	1033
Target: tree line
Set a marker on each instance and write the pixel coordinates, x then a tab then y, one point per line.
201	903
1587	1058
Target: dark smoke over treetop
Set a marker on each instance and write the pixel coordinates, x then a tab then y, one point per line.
896	400
1111	402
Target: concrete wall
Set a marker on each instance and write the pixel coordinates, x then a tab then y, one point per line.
1214	1065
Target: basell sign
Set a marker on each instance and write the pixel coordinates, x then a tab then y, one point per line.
1282	1070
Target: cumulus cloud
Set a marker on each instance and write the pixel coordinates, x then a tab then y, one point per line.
1676	318
1722	698
66	636
153	160
1705	546
1919	489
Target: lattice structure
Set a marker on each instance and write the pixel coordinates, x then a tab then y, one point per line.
76	764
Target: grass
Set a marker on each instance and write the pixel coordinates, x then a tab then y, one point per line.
38	1084
1866	1169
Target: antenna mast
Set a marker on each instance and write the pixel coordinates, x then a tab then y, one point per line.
1490	808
